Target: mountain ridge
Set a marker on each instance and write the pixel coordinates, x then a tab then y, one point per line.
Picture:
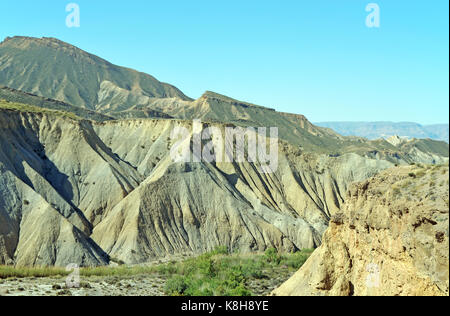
64	72
118	94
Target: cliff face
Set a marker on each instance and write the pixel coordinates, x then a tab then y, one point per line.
391	238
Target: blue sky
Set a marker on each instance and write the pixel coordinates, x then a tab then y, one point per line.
315	58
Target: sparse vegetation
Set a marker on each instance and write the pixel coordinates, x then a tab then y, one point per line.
19	97
221	274
216	273
6	105
37	272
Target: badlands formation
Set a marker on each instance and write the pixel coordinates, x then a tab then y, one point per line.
78	191
86	177
84	192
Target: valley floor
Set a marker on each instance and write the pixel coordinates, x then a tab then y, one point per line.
141	285
214	273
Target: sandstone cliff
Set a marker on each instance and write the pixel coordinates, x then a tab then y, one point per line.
391	238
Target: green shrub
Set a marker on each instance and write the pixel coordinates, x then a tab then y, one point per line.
272	256
220	250
253	269
212	274
176	285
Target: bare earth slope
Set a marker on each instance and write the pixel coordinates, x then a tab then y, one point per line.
53	165
391	238
51	68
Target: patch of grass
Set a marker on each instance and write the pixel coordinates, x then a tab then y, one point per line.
42	272
120	271
39	272
296	260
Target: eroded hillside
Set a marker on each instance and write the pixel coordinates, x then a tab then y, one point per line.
111	190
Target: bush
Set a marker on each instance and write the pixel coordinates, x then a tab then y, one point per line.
167	269
272	256
220	250
211	274
253	269
177	285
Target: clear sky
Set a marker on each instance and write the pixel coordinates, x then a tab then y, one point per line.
316	57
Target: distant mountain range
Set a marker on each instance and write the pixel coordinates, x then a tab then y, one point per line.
375	130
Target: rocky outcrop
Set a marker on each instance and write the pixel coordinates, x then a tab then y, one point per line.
391	238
